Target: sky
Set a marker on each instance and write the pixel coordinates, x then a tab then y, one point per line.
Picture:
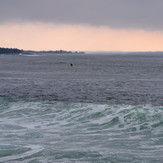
82	25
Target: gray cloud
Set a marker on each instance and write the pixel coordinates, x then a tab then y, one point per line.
113	13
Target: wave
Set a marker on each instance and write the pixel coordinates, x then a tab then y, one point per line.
66	132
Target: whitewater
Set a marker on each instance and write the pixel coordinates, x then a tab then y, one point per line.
105	108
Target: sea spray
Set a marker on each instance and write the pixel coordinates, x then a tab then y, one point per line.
44	131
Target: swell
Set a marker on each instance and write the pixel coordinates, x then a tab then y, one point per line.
64	132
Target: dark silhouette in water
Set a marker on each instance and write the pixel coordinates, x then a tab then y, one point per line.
70	64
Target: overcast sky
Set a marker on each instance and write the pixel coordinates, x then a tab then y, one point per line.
113	13
104	25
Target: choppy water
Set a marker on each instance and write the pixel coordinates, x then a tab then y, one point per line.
68	132
103	109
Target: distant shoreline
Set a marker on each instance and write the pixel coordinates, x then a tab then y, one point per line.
52	52
14	51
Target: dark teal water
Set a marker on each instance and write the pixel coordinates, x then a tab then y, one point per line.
103	109
35	131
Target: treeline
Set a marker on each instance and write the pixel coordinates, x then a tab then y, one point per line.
52	52
18	51
61	52
10	51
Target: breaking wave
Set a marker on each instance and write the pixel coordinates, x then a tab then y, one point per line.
44	131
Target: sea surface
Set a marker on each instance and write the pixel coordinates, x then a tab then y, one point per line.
103	109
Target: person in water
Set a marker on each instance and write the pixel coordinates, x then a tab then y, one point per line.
70	64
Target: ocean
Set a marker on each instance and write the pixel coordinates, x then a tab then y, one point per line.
104	108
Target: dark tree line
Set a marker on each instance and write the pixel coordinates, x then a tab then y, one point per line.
60	52
18	51
10	51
